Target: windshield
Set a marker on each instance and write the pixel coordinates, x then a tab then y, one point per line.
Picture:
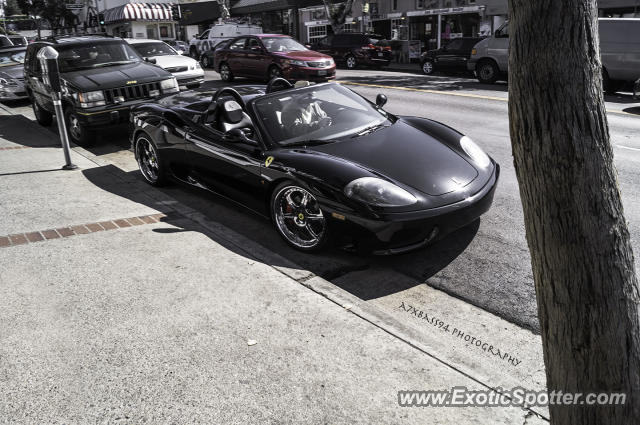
12	58
282	44
318	113
154	49
87	56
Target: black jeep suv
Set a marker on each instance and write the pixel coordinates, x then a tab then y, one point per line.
101	76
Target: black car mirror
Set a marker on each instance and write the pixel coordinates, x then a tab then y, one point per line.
236	135
381	100
150	60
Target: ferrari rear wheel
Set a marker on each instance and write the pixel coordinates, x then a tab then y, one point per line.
298	217
150	164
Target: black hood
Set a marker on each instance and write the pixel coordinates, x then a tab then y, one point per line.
115	76
409	156
12	71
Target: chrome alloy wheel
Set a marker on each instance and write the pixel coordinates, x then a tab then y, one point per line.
298	217
147	159
74	127
225	72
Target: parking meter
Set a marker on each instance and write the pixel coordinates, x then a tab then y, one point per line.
48	57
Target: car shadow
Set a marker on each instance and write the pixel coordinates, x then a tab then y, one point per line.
352	272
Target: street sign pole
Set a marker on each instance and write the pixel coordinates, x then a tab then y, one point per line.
48	57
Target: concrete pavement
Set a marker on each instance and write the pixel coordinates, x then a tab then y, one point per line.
150	318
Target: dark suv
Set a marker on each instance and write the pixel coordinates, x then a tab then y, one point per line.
102	77
451	57
353	49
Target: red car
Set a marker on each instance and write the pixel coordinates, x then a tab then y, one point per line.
266	56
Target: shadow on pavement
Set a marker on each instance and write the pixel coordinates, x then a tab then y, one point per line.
330	264
448	83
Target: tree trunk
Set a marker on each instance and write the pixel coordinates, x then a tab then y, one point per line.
583	267
337	14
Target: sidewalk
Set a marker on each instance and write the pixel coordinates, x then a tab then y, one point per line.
119	306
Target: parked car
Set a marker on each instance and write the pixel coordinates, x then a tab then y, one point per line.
619	50
18	40
102	78
453	56
353	49
179	46
266	56
5	41
218	33
207	58
320	161
187	70
12	73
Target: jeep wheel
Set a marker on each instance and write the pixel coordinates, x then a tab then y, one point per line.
44	117
78	133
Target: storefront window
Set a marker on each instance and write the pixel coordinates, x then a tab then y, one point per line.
152	31
349	28
317	32
399	29
166	31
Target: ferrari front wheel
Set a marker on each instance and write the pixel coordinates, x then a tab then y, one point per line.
298	217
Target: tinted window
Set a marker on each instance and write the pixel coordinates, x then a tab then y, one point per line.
204	35
282	44
87	56
238	44
455	45
325	42
254	43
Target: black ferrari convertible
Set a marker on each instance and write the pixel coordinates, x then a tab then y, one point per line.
320	161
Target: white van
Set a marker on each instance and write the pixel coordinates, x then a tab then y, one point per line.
218	33
619	48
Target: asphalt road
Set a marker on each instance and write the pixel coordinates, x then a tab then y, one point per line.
487	263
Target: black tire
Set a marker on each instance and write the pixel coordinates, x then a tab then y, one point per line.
351	62
225	73
206	63
301	223
428	67
487	71
151	165
273	72
44	117
78	133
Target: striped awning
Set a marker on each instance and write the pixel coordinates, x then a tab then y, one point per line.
139	12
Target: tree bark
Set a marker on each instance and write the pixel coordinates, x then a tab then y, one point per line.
337	14
583	266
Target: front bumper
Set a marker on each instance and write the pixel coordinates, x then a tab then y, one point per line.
189	77
104	116
396	233
309	74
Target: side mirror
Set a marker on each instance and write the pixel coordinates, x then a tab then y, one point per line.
150	60
308	46
237	136
381	100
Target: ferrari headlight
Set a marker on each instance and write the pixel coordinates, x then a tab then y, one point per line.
378	192
91	98
475	152
169	85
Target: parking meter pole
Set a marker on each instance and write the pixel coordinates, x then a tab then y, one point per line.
62	128
48	57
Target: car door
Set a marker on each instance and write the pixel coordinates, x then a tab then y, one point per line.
236	57
449	55
257	59
229	168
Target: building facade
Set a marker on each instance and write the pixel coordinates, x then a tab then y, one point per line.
133	19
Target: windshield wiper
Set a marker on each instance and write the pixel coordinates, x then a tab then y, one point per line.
313	142
370	130
99	65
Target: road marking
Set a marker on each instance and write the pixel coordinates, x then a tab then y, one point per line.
82	229
627	147
448	93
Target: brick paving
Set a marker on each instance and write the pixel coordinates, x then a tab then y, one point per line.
80	229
